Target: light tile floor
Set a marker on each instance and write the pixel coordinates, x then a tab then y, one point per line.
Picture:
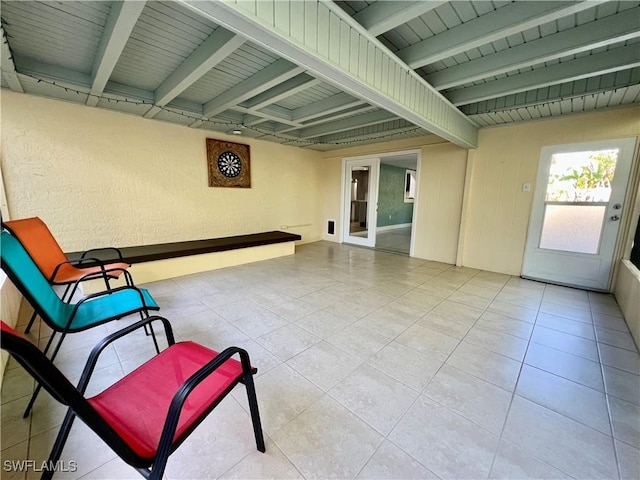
374	365
398	240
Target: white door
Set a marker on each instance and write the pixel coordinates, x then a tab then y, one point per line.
575	218
360	206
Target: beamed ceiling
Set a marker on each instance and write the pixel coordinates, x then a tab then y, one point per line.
323	74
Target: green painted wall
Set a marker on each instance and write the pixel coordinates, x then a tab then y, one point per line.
391	207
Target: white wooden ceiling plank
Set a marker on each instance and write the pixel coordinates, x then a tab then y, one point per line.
488	28
166	26
137	49
603	99
286	89
380	17
611	61
345	124
333	104
587	16
122	18
267	114
616	97
65	10
52	51
413	31
274	74
434	23
584	38
8	66
632	95
185	16
464	10
233	17
481	120
448	16
212	51
557	93
513	40
41	24
363	135
162	40
96	12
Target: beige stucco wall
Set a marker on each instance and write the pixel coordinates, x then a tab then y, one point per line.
98	177
440	190
497	214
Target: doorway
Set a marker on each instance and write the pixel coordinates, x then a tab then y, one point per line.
379	203
396	202
360	205
577	207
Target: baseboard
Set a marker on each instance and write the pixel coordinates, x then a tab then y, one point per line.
392	227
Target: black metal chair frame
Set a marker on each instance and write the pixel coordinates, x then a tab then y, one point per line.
54	381
69	292
144	312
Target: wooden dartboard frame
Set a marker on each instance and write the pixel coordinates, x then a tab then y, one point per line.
232	157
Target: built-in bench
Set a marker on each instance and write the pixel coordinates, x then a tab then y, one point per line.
151	263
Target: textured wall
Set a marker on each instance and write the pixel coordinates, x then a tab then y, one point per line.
498	210
439	204
392	210
105	178
440	192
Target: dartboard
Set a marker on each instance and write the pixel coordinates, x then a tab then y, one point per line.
229	164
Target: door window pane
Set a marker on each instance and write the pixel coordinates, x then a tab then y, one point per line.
572	228
576	200
359	199
581	176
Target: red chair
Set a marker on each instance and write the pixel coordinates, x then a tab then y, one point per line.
145	416
42	247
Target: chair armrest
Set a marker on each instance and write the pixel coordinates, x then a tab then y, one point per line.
104	272
117	250
106	341
100	294
71	262
171	423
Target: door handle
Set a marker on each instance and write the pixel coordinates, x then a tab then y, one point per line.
615	218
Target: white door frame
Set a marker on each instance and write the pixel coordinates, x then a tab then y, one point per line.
372	202
344	196
571	262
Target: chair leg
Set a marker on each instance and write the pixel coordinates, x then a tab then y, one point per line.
38	387
253	408
66	291
58	446
148	330
30	324
106	283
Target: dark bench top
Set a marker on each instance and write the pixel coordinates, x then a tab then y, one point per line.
162	251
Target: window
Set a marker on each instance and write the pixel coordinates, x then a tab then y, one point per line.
409	186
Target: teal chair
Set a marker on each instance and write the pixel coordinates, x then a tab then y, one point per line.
62	317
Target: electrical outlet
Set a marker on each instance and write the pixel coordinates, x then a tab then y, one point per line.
526	187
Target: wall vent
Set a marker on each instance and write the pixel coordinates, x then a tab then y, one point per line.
331	227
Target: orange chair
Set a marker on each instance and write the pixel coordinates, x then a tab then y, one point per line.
42	247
